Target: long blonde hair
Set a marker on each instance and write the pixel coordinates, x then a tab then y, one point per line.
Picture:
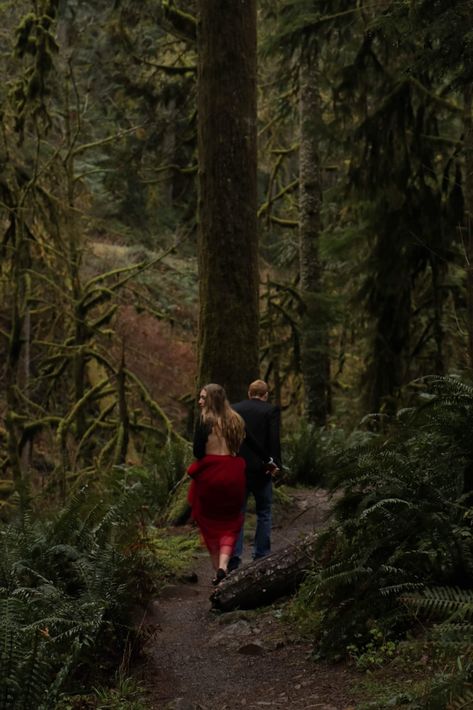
218	414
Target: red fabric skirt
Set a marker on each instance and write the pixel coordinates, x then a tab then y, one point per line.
216	494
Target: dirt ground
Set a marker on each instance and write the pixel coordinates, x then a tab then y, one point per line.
197	659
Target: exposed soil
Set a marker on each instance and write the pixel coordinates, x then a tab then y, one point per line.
200	660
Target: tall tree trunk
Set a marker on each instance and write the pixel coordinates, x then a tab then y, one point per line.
228	244
438	315
468	195
314	335
17	361
387	370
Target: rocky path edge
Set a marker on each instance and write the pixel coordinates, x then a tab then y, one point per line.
197	659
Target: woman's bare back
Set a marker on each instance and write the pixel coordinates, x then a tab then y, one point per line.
216	444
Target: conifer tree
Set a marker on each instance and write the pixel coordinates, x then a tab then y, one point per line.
315	363
228	245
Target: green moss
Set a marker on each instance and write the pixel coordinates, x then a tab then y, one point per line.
175	552
178	502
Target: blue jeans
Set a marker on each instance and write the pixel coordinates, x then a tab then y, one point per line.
262	541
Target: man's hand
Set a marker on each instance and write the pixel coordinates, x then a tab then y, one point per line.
271	468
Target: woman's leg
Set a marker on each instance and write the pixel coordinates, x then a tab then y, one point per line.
223	560
224	556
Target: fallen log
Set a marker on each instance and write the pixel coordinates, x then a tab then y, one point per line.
265	580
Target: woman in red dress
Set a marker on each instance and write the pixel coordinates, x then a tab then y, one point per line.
218	486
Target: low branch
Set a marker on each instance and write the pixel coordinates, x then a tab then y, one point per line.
283	191
154	406
104	141
165	67
181	24
434	97
291	223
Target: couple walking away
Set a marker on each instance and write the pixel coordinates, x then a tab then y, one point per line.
234	447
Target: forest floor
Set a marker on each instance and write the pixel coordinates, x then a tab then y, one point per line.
197	659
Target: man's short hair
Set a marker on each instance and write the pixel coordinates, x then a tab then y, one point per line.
258	388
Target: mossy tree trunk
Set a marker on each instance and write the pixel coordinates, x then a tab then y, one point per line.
314	334
468	196
17	358
228	243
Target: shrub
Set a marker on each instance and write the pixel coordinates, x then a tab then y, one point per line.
452	635
67	589
401	521
310	453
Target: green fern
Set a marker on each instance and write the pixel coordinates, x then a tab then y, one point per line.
67	586
402	521
453	636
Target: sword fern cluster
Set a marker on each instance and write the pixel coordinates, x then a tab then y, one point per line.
67	587
402	520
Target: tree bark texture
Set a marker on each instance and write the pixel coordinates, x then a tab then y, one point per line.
228	244
314	336
468	197
390	305
267	579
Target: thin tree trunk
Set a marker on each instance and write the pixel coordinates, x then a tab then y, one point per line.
388	369
468	196
169	147
16	366
314	335
228	245
438	313
123	436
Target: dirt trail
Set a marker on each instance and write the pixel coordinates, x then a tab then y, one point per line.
200	660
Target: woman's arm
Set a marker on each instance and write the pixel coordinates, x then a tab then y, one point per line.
201	434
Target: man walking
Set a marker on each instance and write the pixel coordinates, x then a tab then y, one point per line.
262	421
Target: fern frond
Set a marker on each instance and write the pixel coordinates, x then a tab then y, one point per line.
385	503
445	601
346	577
397	589
464	702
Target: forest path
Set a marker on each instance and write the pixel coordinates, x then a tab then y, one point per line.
200	660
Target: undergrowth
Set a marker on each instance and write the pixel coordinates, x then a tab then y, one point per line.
402	531
309	452
70	584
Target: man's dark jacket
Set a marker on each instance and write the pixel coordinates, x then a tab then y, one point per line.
263	423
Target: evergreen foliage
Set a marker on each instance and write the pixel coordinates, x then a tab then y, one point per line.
452	636
98	141
68	586
65	381
310	453
403	520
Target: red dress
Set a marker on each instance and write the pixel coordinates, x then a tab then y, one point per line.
216	495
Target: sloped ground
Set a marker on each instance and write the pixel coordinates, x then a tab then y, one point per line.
155	324
200	660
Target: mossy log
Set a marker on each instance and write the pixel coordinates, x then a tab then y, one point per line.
267	579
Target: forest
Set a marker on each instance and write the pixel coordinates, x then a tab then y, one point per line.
198	191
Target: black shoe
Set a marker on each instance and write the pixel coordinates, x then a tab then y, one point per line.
233	564
221	574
